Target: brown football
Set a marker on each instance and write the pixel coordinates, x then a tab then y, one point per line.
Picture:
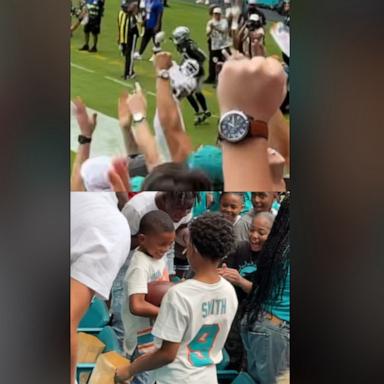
156	291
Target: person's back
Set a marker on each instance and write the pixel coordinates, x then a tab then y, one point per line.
100	240
207	310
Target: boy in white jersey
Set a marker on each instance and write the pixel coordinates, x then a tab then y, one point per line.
195	315
155	237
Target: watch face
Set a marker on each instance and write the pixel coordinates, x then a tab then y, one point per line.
165	75
137	117
234	126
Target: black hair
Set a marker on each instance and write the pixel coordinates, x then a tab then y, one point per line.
180	199
272	267
268	215
156	222
176	177
241	194
212	235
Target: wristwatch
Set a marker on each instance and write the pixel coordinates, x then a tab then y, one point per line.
84	139
138	117
236	126
163	74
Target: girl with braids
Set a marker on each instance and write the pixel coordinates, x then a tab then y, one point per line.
266	313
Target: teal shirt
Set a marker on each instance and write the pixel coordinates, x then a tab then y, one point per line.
136	183
209	159
200	205
281	308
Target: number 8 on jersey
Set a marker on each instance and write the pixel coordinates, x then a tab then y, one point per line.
201	345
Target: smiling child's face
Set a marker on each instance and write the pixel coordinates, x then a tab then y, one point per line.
230	206
157	244
258	233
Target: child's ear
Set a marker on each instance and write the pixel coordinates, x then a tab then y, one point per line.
141	238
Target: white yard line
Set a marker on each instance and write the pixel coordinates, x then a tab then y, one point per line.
118	81
82	68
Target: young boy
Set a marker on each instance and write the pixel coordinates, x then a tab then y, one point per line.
156	235
231	204
195	315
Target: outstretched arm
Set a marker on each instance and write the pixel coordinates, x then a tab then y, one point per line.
125	120
178	141
87	126
81	297
144	138
147	362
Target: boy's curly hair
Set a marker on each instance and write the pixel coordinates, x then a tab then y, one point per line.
212	235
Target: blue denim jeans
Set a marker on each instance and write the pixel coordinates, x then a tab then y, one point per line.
267	348
116	304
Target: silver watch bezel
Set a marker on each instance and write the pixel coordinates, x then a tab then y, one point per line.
138	117
164	74
226	115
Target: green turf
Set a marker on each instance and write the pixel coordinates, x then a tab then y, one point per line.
102	94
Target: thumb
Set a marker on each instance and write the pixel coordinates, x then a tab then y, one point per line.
116	182
224	265
94	118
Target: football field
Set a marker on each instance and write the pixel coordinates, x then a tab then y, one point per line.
96	77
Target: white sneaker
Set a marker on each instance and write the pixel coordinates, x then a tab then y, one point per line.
136	56
206	2
199	1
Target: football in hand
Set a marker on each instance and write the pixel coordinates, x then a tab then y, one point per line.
156	291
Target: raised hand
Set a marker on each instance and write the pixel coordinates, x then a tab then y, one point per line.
123	111
163	60
87	123
255	86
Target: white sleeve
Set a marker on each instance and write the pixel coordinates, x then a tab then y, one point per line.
133	217
98	255
172	320
137	279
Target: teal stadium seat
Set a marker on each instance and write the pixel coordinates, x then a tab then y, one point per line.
109	338
223	363
95	318
243	378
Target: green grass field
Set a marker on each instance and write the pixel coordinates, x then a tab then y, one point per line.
101	93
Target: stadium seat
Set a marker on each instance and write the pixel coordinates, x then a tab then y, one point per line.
109	338
243	378
95	318
223	363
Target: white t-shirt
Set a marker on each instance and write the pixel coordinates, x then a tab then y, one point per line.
141	204
219	39
198	316
142	270
100	240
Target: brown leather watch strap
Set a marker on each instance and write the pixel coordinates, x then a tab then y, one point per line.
258	128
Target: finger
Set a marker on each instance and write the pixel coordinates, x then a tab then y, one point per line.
226	54
94	118
121	168
117	184
138	87
79	104
123	96
224	265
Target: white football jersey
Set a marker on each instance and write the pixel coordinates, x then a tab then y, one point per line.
198	316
